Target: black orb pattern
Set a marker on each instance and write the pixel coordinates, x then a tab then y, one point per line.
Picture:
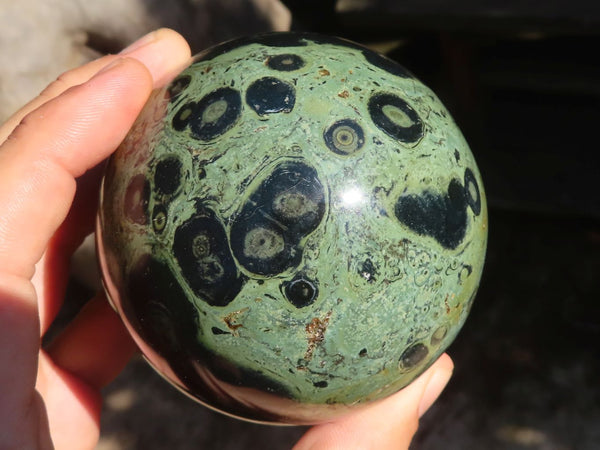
159	218
286	62
184	114
413	355
472	193
345	137
395	117
216	113
201	250
177	86
301	291
443	217
266	240
167	175
270	95
368	271
169	323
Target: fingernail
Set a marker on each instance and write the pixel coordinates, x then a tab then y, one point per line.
141	42
434	388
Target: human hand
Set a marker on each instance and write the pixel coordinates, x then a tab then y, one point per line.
49	167
49	176
388	424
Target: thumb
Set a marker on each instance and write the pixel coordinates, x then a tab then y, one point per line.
386	424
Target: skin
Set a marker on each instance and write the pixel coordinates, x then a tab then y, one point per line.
50	169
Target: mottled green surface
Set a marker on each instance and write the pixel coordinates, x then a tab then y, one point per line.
397	253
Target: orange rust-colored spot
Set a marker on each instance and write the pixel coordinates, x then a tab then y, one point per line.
344	94
324	72
231	320
447	305
315	331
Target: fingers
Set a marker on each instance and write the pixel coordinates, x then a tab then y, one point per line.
164	52
19	346
388	424
50	278
51	147
52	272
76	123
86	356
95	346
69	134
71	408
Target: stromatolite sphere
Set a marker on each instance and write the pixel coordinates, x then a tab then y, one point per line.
293	227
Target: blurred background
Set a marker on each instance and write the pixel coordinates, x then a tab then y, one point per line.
522	79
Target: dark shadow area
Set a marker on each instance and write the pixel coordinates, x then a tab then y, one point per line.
528	357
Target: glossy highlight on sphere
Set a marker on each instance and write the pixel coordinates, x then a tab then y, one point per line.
293	228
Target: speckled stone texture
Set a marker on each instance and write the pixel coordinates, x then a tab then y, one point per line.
293	227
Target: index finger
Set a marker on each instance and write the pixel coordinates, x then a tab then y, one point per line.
63	138
163	52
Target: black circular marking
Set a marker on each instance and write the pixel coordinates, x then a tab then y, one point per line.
413	356
177	86
261	247
344	137
363	353
216	113
183	116
266	233
270	95
320	384
395	117
168	322
387	64
300	291
472	193
443	217
293	194
286	62
292	205
368	271
201	250
167	175
159	218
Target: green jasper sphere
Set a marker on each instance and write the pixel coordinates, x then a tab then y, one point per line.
293	227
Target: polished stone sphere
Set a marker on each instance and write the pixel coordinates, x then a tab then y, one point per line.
294	227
